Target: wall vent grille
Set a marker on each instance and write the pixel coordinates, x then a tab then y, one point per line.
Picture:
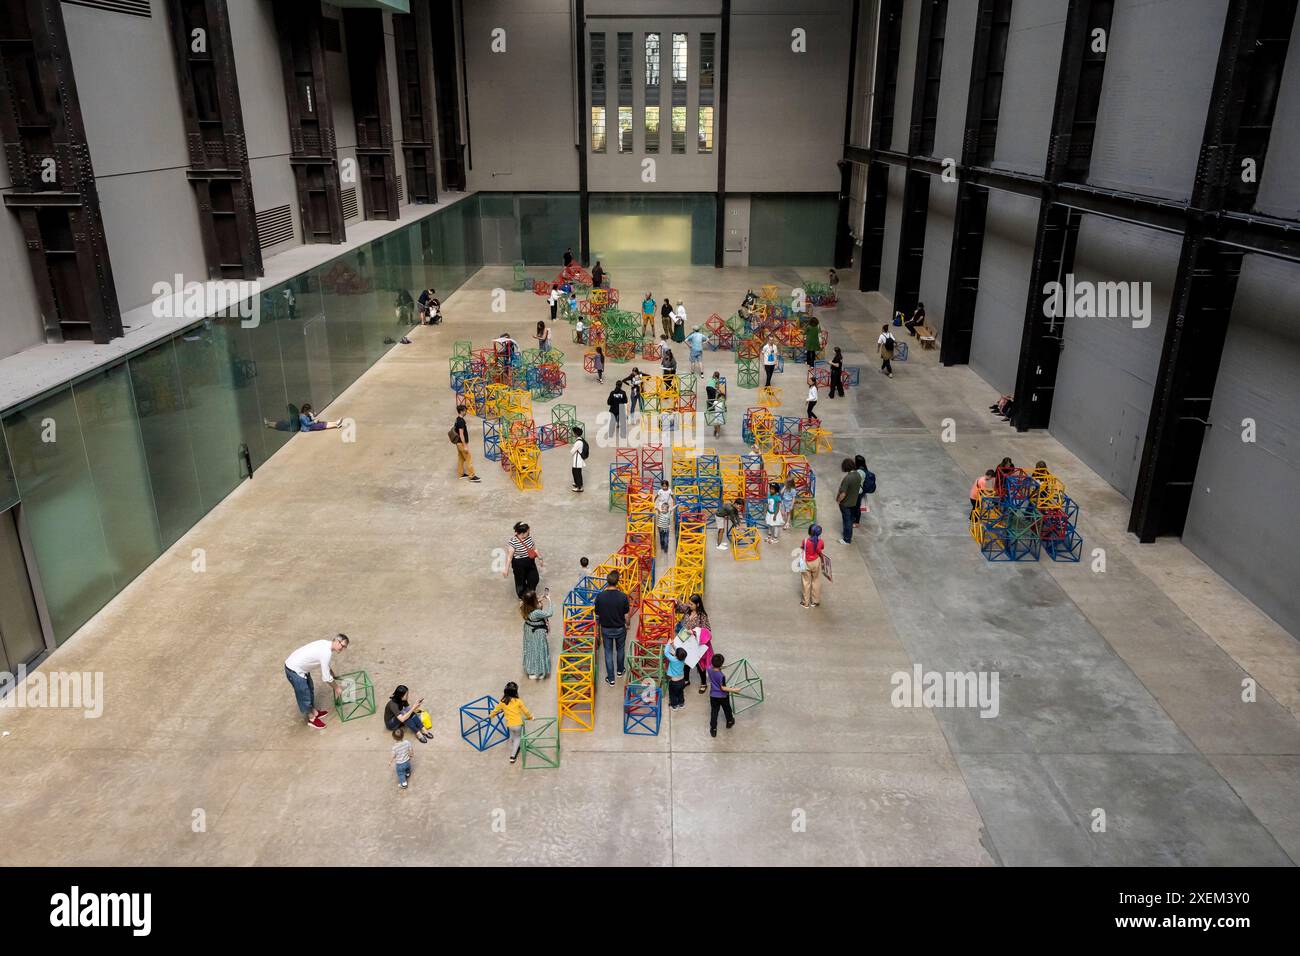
135	8
350	203
274	226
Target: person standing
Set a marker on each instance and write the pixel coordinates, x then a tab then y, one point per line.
543	336
537	647
616	400
868	488
401	757
774	517
713	395
811	574
812	395
568	257
885	345
663	520
837	373
847	497
612	608
812	340
719	696
788	495
598	275
635	403
580	452
769	361
598	363
524	560
297	668
679	322
554	299
516	712
696	343
460	437
666	317
648	314
676	657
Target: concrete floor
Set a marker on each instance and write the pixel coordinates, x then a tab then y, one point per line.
1120	691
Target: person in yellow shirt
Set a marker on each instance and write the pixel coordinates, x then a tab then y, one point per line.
516	711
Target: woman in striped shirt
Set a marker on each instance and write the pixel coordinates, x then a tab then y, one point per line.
524	560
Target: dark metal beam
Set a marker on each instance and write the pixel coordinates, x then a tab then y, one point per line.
720	135
584	197
414	53
843	256
882	121
1243	98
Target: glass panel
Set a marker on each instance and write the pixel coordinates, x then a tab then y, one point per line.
20	626
8	486
644	229
652	129
159	403
706	129
652	92
598	129
548	224
106	409
61	510
679	129
792	229
262	346
679	93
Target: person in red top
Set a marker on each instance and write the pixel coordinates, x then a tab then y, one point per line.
984	481
813	546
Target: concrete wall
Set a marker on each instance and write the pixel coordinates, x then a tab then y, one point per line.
20	320
954	84
1243	520
893	225
1155	95
908	34
794	101
1029	86
938	250
1279	187
1004	286
1108	367
521	101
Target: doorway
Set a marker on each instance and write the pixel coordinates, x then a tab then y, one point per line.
21	636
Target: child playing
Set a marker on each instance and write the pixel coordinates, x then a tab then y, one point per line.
599	362
579	331
773	517
516	711
583	564
719	696
676	676
402	757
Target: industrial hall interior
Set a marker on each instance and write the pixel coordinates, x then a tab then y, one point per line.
573	400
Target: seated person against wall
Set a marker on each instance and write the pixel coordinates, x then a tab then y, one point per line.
305	421
917	319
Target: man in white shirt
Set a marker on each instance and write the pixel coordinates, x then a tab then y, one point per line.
885	345
297	668
554	299
506	348
579	457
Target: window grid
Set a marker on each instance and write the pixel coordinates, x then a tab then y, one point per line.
625	92
706	129
598	81
652	92
705	135
679	93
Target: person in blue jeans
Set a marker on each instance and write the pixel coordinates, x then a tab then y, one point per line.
847	497
400	712
402	757
612	608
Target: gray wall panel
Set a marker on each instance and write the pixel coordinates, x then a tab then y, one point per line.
908	33
893	224
938	250
521	101
1029	84
1279	187
1108	368
1155	95
799	98
1004	285
261	78
954	82
20	319
1243	519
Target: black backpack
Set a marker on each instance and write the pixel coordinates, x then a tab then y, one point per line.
869	485
584	449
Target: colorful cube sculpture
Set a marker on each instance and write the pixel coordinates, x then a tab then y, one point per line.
354	695
480	730
642	708
746	542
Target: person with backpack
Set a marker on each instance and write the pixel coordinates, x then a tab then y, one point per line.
885	344
459	436
616	400
868	488
847	497
580	452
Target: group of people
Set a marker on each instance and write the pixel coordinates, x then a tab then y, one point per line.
991	480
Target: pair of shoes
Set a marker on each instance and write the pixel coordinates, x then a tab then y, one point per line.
609	681
317	723
532	677
723	547
475	478
713	731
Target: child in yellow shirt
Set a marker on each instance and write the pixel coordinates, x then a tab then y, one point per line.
516	711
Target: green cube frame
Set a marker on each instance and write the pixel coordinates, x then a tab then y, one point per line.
541	742
358	695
